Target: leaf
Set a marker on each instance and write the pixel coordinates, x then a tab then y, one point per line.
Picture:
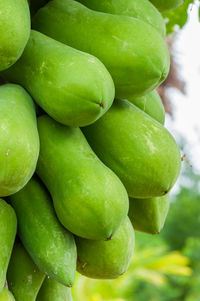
150	276
172	263
177	17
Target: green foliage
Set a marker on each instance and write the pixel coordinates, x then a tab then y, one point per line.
177	17
192	251
184	216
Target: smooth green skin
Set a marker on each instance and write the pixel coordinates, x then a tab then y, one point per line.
14	30
165	5
6	295
137	148
149	215
52	290
134	53
19	140
51	247
8	228
140	9
89	199
151	104
106	259
73	87
23	276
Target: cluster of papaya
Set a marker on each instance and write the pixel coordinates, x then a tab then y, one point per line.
84	155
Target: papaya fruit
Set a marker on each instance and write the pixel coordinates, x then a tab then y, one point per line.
23	276
139	9
52	290
151	104
14	30
133	51
149	215
51	247
6	295
73	87
8	228
19	140
165	5
137	148
89	199
106	259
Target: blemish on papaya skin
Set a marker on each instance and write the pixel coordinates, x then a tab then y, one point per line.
69	285
6	284
84	265
8	151
101	105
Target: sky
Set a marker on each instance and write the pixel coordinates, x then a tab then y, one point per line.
186	120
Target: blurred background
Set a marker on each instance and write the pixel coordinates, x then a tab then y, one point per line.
166	267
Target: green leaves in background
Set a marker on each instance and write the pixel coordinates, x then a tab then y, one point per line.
177	17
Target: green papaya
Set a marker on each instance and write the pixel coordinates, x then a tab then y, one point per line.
24	278
6	295
106	259
51	247
149	215
8	228
19	140
165	5
73	87
133	51
139	9
14	30
52	290
89	199
137	148
151	104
